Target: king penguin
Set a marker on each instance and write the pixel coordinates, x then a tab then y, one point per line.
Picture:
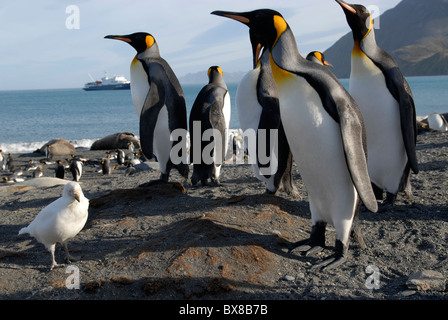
76	169
325	131
211	110
387	105
159	101
258	111
318	57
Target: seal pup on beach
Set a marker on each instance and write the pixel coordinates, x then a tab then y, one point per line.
387	105
159	101
60	221
325	132
211	110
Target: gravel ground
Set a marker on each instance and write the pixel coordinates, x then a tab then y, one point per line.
170	242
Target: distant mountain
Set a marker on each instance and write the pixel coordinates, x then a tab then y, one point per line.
415	33
201	77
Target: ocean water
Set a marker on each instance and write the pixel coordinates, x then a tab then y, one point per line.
30	118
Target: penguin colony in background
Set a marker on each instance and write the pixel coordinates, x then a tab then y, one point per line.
348	147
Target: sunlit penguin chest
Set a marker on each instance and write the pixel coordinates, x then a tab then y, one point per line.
139	85
307	124
139	90
368	87
381	114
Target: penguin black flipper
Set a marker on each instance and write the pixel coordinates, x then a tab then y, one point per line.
148	119
355	147
407	113
267	96
218	122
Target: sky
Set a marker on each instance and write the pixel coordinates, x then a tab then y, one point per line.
50	44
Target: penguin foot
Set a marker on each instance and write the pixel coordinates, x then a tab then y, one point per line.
388	204
313	245
334	261
330	263
306	247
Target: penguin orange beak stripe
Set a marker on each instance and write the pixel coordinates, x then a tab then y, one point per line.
346	6
238	18
233	16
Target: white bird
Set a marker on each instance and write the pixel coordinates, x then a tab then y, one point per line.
60	221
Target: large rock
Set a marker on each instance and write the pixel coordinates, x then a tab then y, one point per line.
426	280
116	141
58	147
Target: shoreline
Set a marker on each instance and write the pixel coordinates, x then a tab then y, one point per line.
85	143
226	243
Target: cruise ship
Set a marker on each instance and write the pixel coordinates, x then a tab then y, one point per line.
106	83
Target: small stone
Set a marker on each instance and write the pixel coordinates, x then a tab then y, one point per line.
426	280
288	278
407	293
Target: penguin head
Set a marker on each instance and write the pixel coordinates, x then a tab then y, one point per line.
265	28
214	72
358	18
140	41
318	57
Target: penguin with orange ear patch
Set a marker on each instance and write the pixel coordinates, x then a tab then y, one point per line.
159	101
318	57
386	103
211	110
325	132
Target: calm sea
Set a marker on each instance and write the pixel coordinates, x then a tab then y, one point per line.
30	118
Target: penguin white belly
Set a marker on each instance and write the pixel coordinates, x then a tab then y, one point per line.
381	113
226	111
162	139
436	122
316	144
139	85
249	113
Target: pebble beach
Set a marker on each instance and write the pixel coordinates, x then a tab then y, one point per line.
178	242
